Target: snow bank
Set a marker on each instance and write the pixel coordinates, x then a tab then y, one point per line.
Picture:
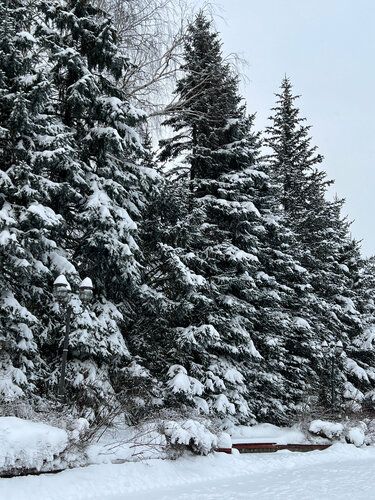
29	445
326	429
150	479
268	433
355	432
321	431
159	439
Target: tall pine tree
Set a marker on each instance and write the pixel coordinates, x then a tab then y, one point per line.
110	184
73	188
322	240
235	342
32	144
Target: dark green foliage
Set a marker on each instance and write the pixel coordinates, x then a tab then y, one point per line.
30	142
71	193
214	290
323	243
252	293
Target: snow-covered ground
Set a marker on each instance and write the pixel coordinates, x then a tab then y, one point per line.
268	433
341	472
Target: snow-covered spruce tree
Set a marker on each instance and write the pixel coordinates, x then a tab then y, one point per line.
108	188
227	346
171	298
31	144
363	344
323	242
283	332
207	98
211	341
39	187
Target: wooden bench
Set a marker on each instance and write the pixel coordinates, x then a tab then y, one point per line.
272	447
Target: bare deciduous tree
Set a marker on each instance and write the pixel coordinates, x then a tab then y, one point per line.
151	35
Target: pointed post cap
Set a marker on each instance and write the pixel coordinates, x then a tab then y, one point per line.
339	347
86	283
61	281
61	288
86	290
325	347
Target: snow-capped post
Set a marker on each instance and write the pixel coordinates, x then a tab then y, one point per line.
86	291
62	292
333	351
61	289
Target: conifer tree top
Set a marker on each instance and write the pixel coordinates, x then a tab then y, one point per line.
208	113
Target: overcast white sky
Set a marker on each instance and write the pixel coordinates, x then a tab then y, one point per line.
327	48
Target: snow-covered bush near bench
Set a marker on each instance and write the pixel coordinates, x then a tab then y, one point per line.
356	435
326	429
158	438
192	435
356	432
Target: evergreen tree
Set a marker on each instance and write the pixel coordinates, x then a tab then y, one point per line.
235	343
208	107
109	184
73	187
322	240
31	143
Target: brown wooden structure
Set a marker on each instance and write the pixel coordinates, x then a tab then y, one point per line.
272	447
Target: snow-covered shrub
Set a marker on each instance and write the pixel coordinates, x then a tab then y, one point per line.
189	434
370	432
356	435
224	440
21	408
160	437
124	443
357	432
326	429
79	439
28	446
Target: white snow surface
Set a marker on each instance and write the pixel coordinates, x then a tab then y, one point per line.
328	429
149	441
26	444
268	433
340	472
86	283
